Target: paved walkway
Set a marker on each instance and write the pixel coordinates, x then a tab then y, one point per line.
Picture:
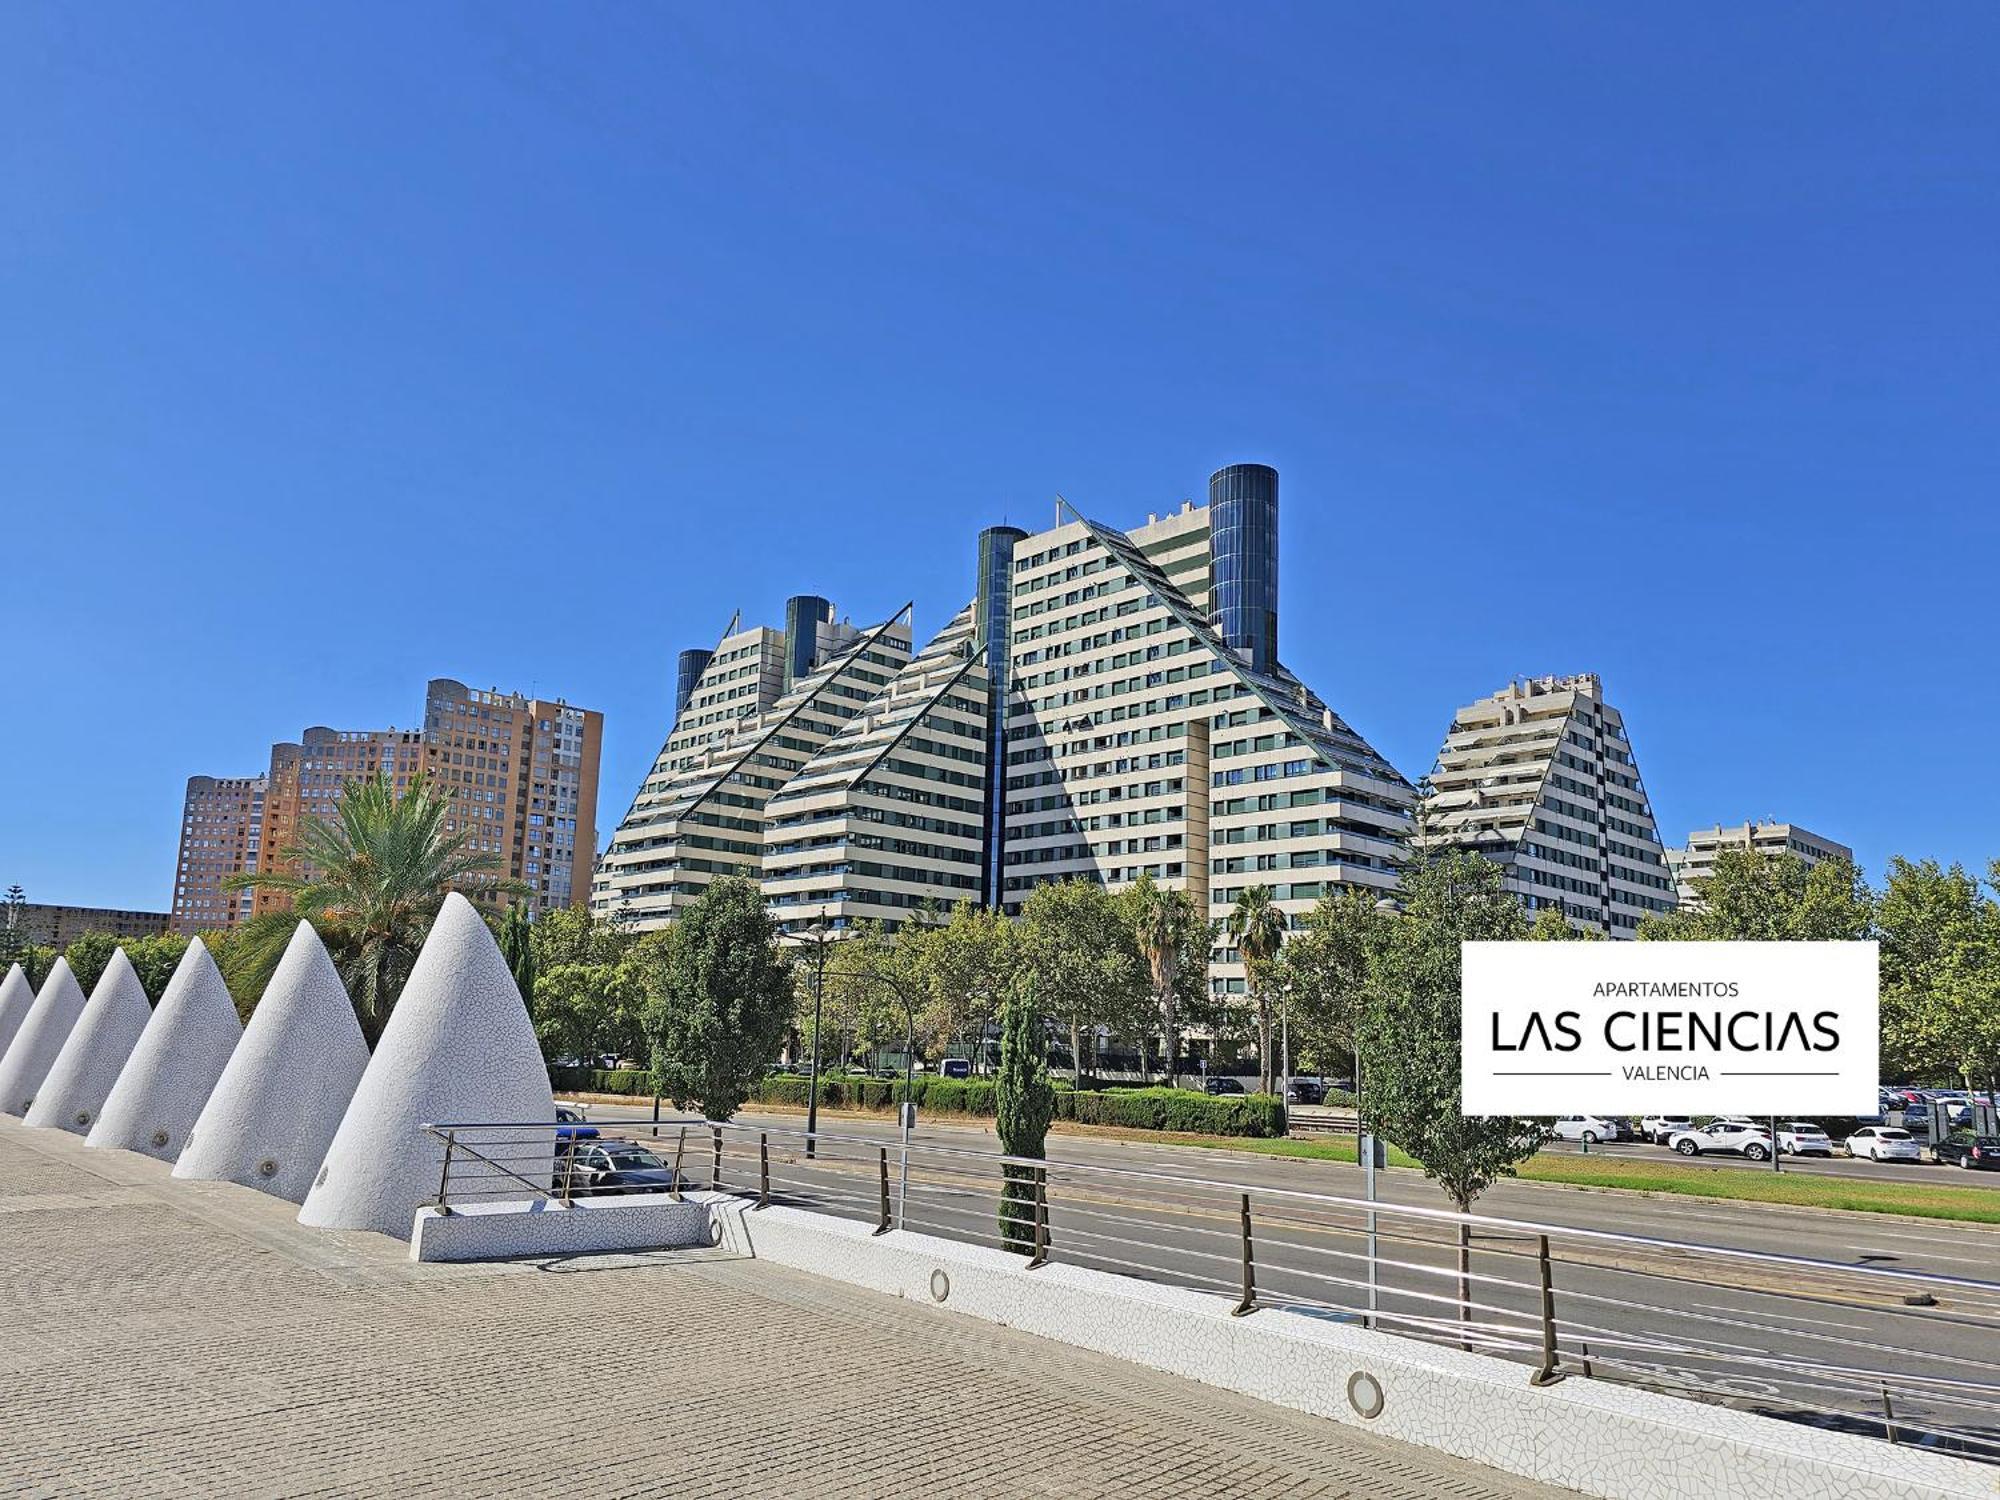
160	1337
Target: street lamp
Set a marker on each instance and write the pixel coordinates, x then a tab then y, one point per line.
819	937
908	1113
1388	906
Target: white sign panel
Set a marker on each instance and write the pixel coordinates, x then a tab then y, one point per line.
1676	1028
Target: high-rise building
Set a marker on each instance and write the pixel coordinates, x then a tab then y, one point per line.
1109	704
306	778
521	771
1697	860
1539	777
223	823
523	777
764	705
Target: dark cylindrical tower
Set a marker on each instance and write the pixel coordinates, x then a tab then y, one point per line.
804	614
993	619
1243	545
694	661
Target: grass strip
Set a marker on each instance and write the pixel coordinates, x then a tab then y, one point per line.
1799	1189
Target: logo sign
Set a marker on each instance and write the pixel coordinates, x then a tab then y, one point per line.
1689	1028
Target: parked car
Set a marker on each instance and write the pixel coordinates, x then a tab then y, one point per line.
1975	1153
1307	1091
1660	1128
620	1167
1737	1137
1883	1143
1590	1129
1803	1138
1223	1085
571	1127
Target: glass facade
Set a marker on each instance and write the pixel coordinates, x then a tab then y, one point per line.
694	661
804	614
993	619
1243	542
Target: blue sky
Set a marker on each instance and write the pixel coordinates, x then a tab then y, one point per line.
343	347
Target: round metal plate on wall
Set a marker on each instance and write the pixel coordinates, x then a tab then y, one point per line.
940	1285
1364	1394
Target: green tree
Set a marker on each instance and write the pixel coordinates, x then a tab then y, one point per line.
1077	948
375	874
1173	939
589	990
1257	926
1324	970
154	959
1940	973
960	967
517	946
14	939
720	996
1024	1103
1410	1034
1758	897
88	953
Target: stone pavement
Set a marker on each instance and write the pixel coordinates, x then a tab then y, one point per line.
161	1337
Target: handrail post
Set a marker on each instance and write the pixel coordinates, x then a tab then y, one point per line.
1249	1302
763	1169
444	1178
569	1168
1041	1256
680	1146
882	1217
1888	1414
1548	1374
715	1162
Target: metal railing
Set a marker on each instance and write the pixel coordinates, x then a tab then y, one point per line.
1906	1356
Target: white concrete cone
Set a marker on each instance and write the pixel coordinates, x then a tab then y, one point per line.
35	1046
274	1110
459	1047
170	1073
80	1079
17	997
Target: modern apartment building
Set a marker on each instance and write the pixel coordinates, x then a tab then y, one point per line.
1540	778
522	773
1108	704
223	824
1697	860
763	705
59	926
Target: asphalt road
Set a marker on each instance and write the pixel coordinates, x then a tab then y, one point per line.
1818	1345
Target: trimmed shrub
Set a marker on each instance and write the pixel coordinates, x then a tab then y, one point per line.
1260	1115
571	1080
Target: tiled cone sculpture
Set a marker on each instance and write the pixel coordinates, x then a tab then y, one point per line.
17	997
41	1037
168	1078
458	1048
274	1110
80	1079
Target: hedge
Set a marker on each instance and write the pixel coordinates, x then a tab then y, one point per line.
1133	1109
565	1079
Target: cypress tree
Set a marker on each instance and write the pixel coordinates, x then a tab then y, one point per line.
1024	1103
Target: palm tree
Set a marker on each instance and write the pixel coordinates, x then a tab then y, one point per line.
1161	922
1258	927
373	877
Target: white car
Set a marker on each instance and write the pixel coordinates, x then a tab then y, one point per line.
1884	1143
1802	1138
1737	1137
1659	1129
1590	1129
